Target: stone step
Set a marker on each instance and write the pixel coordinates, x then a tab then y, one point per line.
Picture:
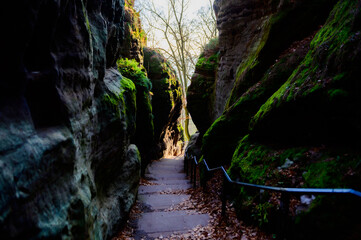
158	202
155	224
173	182
168	160
156	221
165	176
162	188
168	168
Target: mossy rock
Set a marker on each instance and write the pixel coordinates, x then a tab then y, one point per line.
200	94
318	101
222	137
166	99
314	167
293	22
144	136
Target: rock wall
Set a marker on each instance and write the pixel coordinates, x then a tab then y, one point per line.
132	47
200	94
167	104
272	31
252	31
287	102
67	165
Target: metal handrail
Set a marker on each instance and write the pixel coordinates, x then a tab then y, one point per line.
318	191
285	192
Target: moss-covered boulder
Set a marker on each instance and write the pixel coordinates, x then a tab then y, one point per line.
277	42
144	135
166	101
289	22
319	100
298	167
305	134
293	116
200	94
135	37
253	34
222	137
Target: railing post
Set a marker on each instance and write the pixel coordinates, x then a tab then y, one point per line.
186	164
195	173
284	208
224	196
203	180
191	169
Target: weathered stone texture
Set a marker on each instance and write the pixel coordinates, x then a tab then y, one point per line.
201	91
287	97
67	168
167	103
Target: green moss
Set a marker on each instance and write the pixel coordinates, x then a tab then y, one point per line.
250	62
248	162
324	173
144	136
261	213
85	13
209	64
114	101
328	171
306	79
315	167
211	45
337	93
124	100
135	27
258	164
201	92
134	71
277	33
128	3
127	84
339	77
219	141
163	76
227	130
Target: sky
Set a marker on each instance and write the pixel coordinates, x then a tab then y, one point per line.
194	5
156	39
193	8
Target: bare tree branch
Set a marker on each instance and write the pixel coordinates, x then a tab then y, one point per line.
184	38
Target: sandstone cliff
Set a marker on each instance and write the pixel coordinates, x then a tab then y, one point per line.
68	119
167	104
286	105
200	94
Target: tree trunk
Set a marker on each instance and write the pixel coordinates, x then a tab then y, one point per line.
186	124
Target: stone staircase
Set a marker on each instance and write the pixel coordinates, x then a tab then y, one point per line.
166	189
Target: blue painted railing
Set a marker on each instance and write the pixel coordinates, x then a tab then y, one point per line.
191	163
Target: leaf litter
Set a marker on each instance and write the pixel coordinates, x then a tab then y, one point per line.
202	200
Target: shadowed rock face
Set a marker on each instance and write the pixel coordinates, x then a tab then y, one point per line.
200	94
238	22
253	36
252	33
67	167
167	103
287	97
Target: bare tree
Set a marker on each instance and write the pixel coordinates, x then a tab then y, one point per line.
183	35
206	24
